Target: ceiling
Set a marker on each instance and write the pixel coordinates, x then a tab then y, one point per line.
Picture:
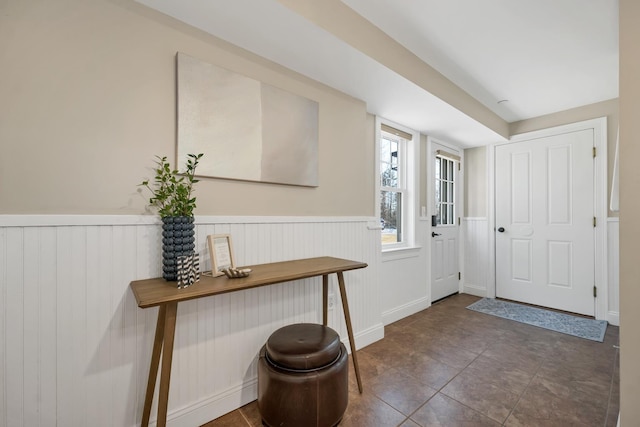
541	56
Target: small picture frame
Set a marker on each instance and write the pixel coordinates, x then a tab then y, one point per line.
221	252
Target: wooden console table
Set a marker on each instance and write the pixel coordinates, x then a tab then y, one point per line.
158	292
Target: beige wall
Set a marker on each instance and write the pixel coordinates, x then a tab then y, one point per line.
88	98
475	182
629	212
608	109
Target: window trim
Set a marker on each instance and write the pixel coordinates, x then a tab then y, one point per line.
408	160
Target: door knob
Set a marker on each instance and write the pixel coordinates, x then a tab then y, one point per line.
434	234
501	229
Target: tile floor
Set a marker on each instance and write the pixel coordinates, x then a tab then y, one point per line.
448	366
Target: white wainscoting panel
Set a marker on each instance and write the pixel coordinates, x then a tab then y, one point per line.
405	277
476	259
613	249
75	348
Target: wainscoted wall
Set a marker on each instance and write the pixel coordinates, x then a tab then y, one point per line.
476	260
406	277
75	348
476	247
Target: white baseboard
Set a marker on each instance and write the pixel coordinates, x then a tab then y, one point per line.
366	337
405	310
207	409
479	291
613	317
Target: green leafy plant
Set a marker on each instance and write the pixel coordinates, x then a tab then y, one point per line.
171	191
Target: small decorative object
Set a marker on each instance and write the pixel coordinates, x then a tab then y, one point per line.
171	194
188	270
236	273
221	252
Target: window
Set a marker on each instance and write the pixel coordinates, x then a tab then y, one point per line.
445	190
393	185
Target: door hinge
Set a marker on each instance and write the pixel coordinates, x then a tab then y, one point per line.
459	276
594	152
458	220
594	221
595	292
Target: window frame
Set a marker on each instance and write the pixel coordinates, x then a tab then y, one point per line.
407	181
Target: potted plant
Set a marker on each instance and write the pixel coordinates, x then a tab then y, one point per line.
172	195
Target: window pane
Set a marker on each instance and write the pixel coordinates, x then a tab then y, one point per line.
443	169
450	166
451	220
437	168
391	216
445	216
388	163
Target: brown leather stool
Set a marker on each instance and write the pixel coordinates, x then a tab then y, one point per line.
303	377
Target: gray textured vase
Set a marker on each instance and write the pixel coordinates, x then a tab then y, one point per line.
177	240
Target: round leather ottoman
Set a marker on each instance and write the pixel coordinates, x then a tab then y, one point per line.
303	377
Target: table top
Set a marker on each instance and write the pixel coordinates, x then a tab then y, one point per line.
154	292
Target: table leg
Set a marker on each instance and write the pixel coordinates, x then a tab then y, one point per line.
347	319
325	297
153	369
167	356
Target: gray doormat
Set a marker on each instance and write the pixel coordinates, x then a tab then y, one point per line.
565	323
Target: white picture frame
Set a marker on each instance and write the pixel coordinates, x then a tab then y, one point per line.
221	253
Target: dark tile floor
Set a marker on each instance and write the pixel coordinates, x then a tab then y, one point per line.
448	366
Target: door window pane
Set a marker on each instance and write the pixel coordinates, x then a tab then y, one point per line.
445	191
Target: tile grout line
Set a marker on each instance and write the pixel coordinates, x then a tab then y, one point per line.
533	377
475	410
615	361
249	423
443	386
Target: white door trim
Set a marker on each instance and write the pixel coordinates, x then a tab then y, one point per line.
599	127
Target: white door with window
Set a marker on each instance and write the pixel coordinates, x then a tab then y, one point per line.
545	221
445	278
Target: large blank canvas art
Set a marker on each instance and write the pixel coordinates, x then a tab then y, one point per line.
247	130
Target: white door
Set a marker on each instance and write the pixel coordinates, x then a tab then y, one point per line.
544	221
445	277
